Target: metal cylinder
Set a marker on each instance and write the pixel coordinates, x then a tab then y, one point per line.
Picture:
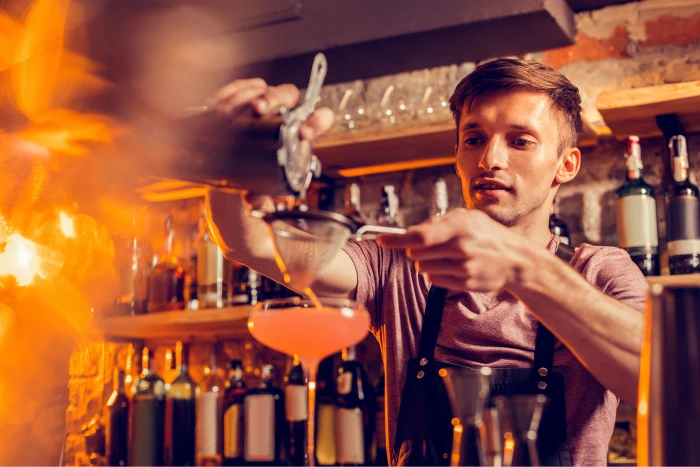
669	387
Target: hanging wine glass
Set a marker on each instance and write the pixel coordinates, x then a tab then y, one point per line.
312	331
351	113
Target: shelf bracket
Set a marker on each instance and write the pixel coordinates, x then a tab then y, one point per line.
670	125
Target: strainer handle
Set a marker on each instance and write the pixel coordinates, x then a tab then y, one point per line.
256	213
371	232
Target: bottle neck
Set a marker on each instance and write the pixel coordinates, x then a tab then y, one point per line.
440	195
119	377
352	199
680	169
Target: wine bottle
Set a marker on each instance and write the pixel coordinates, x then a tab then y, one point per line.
380	433
325	413
118	422
683	212
355	414
180	413
352	204
147	416
265	431
557	226
635	205
167	284
233	415
209	414
210	270
296	413
440	198
389	207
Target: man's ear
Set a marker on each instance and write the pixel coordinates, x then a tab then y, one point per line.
569	165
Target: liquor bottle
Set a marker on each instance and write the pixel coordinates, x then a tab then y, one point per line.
265	431
389	207
635	206
118	422
147	416
131	259
211	291
325	413
180	413
247	286
352	204
440	198
296	412
167	285
355	414
209	412
683	213
380	433
557	226
233	415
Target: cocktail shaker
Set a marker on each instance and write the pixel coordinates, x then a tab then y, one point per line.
669	383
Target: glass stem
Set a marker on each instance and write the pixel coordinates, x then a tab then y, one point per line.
311	423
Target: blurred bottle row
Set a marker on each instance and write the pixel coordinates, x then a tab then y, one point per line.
173	420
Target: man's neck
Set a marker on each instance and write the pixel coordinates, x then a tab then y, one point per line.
536	230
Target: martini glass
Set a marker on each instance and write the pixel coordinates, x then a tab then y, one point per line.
312	330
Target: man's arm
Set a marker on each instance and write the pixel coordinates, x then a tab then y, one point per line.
246	239
602	332
468	251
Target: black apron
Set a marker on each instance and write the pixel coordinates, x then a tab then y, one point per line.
424	428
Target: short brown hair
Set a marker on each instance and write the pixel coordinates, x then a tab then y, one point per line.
511	74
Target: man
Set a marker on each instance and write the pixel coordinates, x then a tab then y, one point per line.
517	123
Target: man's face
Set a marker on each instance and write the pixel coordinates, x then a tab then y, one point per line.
507	155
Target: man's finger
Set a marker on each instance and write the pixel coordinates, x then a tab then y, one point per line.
318	123
442	266
231	88
418	236
276	97
237	102
448	249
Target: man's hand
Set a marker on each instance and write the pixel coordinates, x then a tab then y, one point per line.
254	94
463	251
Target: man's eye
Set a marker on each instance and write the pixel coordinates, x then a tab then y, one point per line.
522	142
472	141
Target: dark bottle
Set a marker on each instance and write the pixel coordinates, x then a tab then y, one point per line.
557	226
440	198
683	213
296	412
352	204
380	433
325	413
147	416
209	414
265	431
233	415
389	207
167	284
180	413
355	415
118	422
635	206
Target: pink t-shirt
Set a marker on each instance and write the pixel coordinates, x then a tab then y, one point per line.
479	330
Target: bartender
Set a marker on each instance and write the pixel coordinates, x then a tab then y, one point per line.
489	285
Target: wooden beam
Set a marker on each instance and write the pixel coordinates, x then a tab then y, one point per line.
633	111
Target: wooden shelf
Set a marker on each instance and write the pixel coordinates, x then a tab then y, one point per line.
682	280
207	323
634	111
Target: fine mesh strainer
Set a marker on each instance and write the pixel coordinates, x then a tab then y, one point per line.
306	241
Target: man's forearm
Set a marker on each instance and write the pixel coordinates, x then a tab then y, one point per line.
603	333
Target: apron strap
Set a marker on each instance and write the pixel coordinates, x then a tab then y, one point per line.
544	342
431	322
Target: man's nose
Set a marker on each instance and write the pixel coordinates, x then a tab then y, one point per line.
495	155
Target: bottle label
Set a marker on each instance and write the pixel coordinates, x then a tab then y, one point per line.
349	435
381	423
636	221
295	403
683	218
259	436
683	247
325	435
344	383
233	432
207	413
210	263
564	240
